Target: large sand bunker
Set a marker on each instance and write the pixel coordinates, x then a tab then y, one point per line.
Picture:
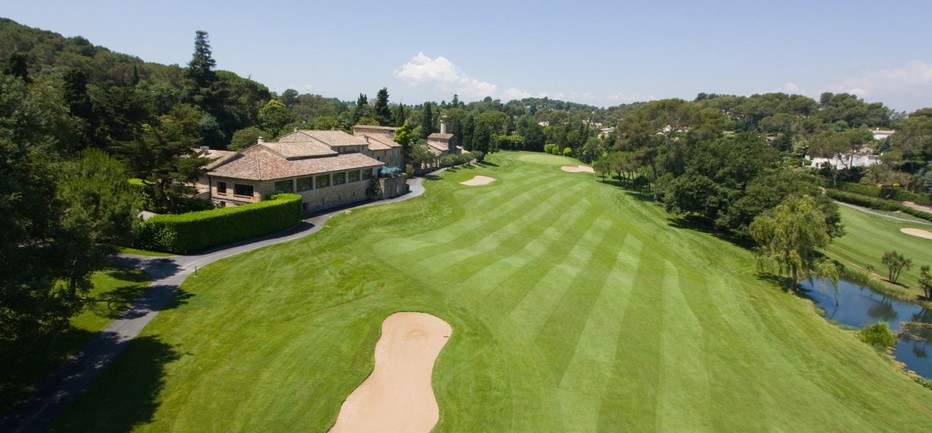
478	180
918	232
397	396
578	169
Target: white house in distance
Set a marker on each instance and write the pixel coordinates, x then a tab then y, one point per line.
882	134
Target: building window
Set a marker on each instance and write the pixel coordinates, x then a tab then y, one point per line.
222	188
339	178
304	183
367	173
283	186
322	181
242	190
353	176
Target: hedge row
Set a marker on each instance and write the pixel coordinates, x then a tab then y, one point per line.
897	194
195	231
876	203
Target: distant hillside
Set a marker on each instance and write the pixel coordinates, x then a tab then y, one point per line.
46	50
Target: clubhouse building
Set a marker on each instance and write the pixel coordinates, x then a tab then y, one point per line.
327	168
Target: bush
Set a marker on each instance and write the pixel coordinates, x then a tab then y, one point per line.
449	161
878	335
142	190
887	192
477	155
567	151
876	203
551	148
195	231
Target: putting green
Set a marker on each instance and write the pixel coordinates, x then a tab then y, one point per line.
576	307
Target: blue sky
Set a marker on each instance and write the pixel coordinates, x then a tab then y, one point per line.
600	53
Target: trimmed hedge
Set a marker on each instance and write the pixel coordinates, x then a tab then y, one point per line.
189	232
876	203
891	193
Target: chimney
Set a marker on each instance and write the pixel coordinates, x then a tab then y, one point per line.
444	125
261	140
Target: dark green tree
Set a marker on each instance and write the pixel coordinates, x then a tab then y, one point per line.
44	271
362	109
165	156
400	117
382	113
201	67
427	121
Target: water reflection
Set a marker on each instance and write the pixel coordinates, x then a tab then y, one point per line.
854	305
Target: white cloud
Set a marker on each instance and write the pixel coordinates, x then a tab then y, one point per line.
627	98
443	74
512	93
908	87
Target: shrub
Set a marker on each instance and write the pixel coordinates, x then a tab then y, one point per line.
878	335
449	161
477	155
551	148
567	151
195	231
876	203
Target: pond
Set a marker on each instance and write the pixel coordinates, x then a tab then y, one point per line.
858	306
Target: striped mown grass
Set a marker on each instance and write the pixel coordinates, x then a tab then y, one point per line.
576	307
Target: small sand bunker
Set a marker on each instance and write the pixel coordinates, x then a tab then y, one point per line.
918	232
397	396
478	180
578	169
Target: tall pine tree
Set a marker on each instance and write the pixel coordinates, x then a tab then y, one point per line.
427	121
382	113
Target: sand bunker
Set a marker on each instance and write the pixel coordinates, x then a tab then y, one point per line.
397	396
918	232
478	180
578	169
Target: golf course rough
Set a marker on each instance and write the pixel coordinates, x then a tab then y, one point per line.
397	397
577	307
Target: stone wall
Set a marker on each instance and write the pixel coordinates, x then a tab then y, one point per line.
393	186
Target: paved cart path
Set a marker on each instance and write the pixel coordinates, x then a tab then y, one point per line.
40	407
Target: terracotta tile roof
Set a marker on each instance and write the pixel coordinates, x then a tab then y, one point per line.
371	129
437	147
217	157
330	138
439	137
381	142
301	149
262	163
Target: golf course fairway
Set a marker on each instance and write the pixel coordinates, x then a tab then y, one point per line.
575	307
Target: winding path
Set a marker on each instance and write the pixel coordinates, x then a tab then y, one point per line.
873	212
40	407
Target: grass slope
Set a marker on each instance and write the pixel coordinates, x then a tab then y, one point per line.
575	308
869	236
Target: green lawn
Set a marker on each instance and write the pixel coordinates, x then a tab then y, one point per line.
869	236
113	291
576	307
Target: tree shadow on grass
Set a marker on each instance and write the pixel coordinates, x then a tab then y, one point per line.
704	225
25	364
125	394
487	164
